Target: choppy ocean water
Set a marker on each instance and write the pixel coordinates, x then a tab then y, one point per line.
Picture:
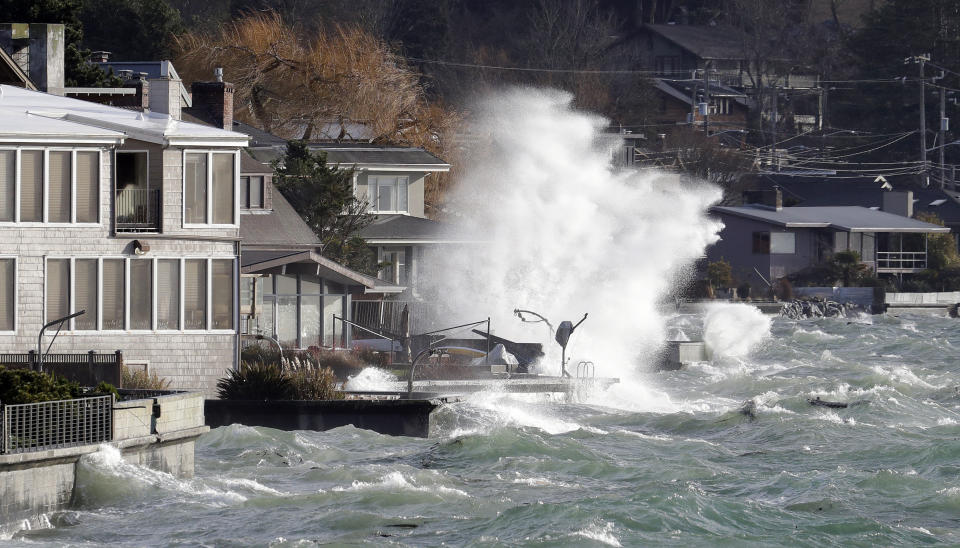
691	469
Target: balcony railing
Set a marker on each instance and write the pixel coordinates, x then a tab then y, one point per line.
138	210
901	261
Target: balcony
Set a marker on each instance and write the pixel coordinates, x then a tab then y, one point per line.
138	210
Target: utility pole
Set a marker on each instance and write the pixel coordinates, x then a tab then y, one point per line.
706	99
943	134
921	60
776	155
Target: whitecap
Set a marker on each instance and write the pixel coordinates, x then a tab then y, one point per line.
600	533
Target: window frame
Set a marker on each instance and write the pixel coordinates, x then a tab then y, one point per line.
209	190
758	237
45	207
16	293
373	205
245	183
271	299
181	260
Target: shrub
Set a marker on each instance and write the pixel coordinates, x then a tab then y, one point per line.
314	384
141	380
720	274
783	289
255	381
28	386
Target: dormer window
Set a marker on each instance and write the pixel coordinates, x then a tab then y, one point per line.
388	194
251	192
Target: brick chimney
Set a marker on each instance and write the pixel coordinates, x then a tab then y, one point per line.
214	101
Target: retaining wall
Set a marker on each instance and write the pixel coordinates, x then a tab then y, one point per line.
39	482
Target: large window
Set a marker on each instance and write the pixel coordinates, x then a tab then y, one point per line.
761	243
784	243
208	187
55	186
8	292
137	294
298	311
387	194
394	260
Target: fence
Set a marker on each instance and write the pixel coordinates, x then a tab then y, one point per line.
387	317
53	424
88	369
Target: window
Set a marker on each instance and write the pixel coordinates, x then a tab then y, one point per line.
59	187
88	186
85	290
58	289
208	187
761	242
141	294
195	294
31	186
168	294
395	265
222	293
114	294
388	193
251	192
52	186
195	194
297	312
8	291
784	243
8	182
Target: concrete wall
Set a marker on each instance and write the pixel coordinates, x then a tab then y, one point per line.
39	482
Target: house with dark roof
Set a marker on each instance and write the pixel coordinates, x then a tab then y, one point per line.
766	241
289	292
680	103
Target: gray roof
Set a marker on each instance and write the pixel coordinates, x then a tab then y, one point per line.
250	165
402	227
281	226
845	218
704	42
255	261
258	137
364	154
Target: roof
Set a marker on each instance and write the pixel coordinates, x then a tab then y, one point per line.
367	155
861	191
845	218
398	228
248	164
682	91
704	42
152	69
258	137
255	261
281	226
31	116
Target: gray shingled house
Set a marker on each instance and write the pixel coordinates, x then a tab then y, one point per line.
771	241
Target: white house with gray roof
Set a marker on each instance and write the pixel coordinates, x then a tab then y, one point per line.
131	216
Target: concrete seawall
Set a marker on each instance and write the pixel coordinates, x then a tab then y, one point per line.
156	432
392	417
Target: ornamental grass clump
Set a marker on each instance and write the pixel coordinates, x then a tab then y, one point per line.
141	380
255	381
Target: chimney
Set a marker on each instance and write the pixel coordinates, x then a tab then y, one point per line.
214	100
38	49
767	199
99	56
898	203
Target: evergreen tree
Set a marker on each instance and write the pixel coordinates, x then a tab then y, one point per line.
324	198
110	24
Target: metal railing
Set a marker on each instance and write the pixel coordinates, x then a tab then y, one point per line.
387	316
138	210
901	260
54	424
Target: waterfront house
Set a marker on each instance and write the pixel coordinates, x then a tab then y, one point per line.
764	242
133	217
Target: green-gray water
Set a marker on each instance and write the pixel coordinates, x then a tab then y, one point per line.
520	472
